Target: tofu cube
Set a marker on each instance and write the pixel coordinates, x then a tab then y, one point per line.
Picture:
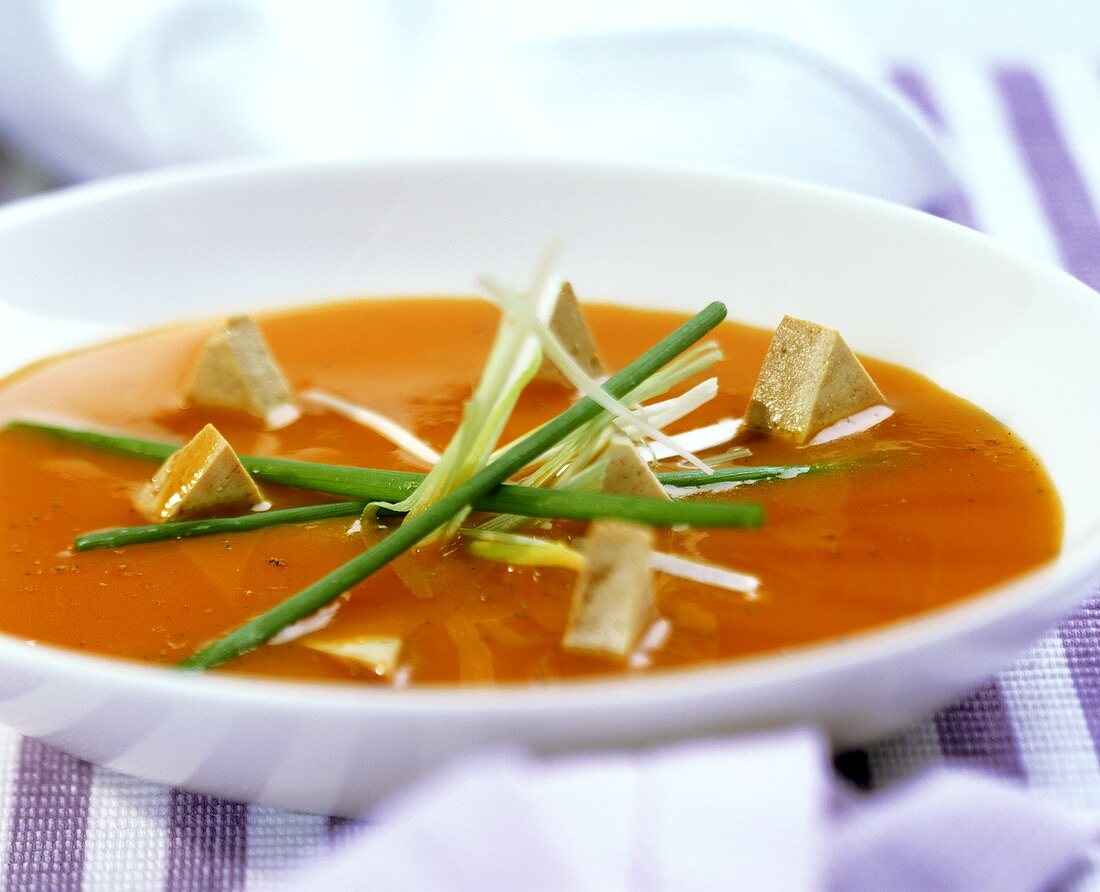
378	653
203	479
613	599
627	474
236	370
810	379
569	328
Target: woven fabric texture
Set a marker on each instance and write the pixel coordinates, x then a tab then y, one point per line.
1026	142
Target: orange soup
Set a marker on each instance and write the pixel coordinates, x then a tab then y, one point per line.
930	506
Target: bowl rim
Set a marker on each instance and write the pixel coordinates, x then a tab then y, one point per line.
1068	571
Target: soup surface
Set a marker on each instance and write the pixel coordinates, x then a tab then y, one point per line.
932	505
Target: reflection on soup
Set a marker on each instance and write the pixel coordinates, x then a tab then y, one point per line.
928	506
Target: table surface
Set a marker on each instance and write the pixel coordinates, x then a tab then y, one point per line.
1026	143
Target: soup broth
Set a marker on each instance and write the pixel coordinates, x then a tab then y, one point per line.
930	506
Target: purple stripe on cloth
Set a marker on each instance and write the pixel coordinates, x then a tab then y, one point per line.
1065	199
1073	220
340	830
977	731
1080	636
914	87
855	767
49	819
955	206
207	843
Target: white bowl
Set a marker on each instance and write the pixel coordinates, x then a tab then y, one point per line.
1011	335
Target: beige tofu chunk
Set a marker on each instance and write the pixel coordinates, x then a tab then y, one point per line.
810	379
236	370
569	327
627	474
613	600
380	654
203	479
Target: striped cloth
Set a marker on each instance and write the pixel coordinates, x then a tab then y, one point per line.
1026	141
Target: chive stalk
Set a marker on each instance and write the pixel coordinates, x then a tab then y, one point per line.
187	529
258	630
359	483
374	484
558	504
737	474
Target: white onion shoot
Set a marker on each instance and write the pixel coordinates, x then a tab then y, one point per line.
697	440
385	427
312	623
706	574
853	424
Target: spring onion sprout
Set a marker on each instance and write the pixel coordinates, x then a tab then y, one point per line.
375	421
514	359
853	424
734	453
695	360
669	411
717	434
312	623
654	638
519	310
531	551
576	465
512	548
706	574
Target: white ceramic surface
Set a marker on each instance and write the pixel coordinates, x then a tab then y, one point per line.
1002	330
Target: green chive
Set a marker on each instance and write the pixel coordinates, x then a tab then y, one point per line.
186	529
527	501
534	502
739	474
373	484
362	483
